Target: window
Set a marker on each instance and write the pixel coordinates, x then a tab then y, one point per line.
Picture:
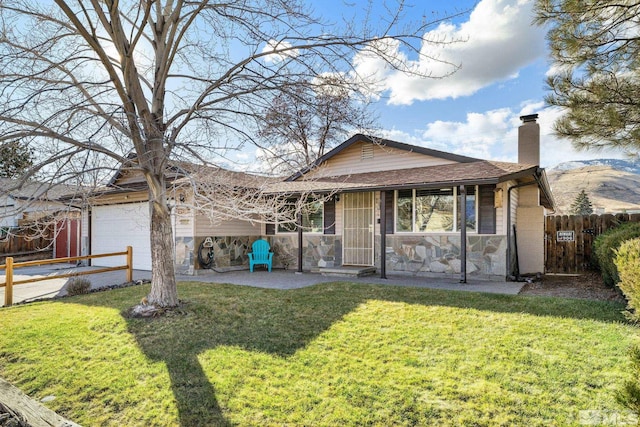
431	210
434	210
404	216
312	218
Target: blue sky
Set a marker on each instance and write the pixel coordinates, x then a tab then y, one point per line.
474	112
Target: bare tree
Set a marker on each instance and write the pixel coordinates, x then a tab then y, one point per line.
170	80
307	120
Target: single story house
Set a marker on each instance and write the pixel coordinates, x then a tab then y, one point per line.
392	206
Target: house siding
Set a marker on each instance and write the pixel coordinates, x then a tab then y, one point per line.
351	161
232	227
501	218
8	213
530	240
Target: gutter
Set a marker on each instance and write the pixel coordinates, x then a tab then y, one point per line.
543	183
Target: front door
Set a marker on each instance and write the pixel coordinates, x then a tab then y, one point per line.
358	229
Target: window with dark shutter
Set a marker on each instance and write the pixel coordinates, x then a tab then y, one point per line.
270	229
330	216
389	211
486	210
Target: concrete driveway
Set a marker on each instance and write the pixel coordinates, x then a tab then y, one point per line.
277	279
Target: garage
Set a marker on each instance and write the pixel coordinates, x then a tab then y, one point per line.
114	227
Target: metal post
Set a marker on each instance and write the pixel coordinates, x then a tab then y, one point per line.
383	235
299	224
463	234
8	290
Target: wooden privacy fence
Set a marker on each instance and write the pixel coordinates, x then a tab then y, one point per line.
569	239
10	266
22	241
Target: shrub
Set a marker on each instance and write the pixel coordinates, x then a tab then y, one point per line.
627	261
629	396
604	249
78	286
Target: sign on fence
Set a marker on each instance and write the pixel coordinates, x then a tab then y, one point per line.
571	250
565	236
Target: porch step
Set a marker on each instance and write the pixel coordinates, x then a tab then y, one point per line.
348	271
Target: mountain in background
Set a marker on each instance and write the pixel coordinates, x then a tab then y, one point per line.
613	185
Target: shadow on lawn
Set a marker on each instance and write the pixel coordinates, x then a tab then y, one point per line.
282	322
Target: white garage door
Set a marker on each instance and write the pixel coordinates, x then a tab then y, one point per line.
115	227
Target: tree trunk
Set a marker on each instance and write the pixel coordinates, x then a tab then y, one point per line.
164	291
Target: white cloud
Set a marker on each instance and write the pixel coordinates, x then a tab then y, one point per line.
493	135
496	42
281	50
481	135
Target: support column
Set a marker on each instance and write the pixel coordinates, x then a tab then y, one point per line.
383	235
463	234
299	224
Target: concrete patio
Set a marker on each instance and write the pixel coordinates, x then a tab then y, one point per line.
277	279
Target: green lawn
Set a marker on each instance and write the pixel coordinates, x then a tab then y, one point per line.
333	354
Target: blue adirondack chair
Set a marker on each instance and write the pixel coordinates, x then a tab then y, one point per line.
260	254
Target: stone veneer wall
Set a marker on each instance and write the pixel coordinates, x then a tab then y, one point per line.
440	254
231	252
406	254
318	251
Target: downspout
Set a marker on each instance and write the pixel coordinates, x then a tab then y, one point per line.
508	263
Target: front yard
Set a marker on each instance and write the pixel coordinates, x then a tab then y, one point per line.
332	354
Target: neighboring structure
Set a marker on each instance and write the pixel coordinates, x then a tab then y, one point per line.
381	203
39	206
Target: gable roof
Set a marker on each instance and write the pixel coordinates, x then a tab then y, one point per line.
384	142
476	173
129	178
465	171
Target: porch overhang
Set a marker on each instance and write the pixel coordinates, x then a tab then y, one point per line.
449	175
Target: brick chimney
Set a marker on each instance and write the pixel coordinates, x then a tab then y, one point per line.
529	140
